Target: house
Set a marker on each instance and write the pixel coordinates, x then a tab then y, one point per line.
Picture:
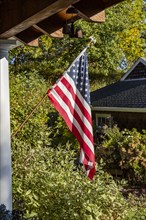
124	102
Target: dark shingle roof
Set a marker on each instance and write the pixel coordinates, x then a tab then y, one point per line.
125	94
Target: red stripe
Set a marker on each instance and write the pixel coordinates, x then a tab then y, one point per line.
91	172
77	100
74	113
71	126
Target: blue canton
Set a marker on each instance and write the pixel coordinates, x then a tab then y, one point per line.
78	71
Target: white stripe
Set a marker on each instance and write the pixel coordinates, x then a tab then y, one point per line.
76	91
75	106
86	171
90	164
82	156
72	119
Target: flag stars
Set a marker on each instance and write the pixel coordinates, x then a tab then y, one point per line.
79	74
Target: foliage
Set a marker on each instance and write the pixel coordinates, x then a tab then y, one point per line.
125	150
119	42
60	131
137	209
132	41
4	213
46	182
26	90
53	188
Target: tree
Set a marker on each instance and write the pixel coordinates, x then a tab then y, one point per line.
119	41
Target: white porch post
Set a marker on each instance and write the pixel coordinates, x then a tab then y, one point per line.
5	147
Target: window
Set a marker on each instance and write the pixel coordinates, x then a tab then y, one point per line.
103	119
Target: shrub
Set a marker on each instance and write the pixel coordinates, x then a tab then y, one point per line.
4	213
46	182
53	188
125	150
50	186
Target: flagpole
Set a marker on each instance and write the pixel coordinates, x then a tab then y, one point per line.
92	40
28	116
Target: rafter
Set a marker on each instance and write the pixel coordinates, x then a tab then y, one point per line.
28	35
53	25
108	3
18	15
92	8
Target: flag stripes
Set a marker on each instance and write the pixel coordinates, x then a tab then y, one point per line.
74	109
76	112
72	123
77	97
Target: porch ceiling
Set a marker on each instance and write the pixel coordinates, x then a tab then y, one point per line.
29	19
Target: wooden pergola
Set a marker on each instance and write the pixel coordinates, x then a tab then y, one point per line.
29	19
25	21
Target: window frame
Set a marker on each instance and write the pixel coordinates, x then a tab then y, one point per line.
102	115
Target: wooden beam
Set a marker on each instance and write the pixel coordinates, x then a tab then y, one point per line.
92	8
58	33
108	3
53	25
99	17
34	43
29	35
18	15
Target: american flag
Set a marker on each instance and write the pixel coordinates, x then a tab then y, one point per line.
70	95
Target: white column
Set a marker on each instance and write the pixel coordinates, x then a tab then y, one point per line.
5	147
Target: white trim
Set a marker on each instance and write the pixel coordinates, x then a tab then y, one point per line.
5	145
140	60
118	109
103	115
138	79
5	139
9	43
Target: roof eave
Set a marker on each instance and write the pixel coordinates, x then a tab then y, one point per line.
119	109
142	60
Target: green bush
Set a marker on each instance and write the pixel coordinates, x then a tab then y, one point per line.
4	213
46	182
124	150
52	187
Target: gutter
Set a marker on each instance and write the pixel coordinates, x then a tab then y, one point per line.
118	109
